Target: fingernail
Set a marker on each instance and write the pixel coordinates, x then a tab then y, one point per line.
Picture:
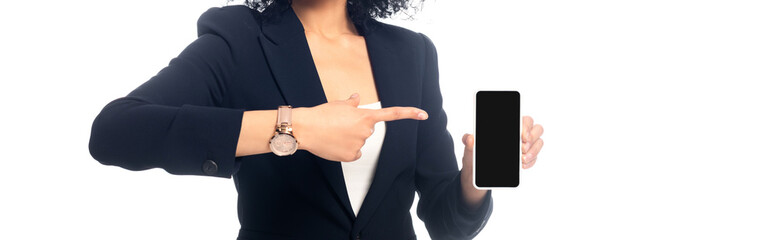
528	156
422	115
526	145
354	95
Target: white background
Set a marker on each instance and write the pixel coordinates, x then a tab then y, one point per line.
658	116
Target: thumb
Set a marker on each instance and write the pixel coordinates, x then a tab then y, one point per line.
467	157
353	100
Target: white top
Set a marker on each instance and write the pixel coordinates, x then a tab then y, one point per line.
359	174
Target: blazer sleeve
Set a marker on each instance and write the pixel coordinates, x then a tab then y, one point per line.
441	205
175	120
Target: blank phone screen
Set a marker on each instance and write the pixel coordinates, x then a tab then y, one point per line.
497	139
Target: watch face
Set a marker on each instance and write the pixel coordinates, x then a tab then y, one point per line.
283	144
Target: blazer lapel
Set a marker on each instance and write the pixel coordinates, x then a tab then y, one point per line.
290	60
395	88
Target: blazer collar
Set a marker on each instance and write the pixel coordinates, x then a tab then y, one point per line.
287	53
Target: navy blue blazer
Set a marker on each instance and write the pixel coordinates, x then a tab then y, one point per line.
187	120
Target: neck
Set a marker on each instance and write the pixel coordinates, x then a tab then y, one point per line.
327	17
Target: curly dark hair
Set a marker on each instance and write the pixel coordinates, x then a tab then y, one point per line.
359	11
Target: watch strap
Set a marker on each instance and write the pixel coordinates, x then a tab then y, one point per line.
283	115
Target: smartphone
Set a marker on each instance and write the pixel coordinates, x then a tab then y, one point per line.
497	153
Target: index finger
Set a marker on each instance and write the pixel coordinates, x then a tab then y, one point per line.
397	113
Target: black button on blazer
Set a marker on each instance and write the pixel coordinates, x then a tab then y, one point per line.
187	119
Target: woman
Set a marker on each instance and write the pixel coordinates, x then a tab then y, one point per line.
332	164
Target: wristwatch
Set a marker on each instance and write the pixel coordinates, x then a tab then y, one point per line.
283	143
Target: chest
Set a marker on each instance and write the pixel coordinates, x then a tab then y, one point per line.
344	67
